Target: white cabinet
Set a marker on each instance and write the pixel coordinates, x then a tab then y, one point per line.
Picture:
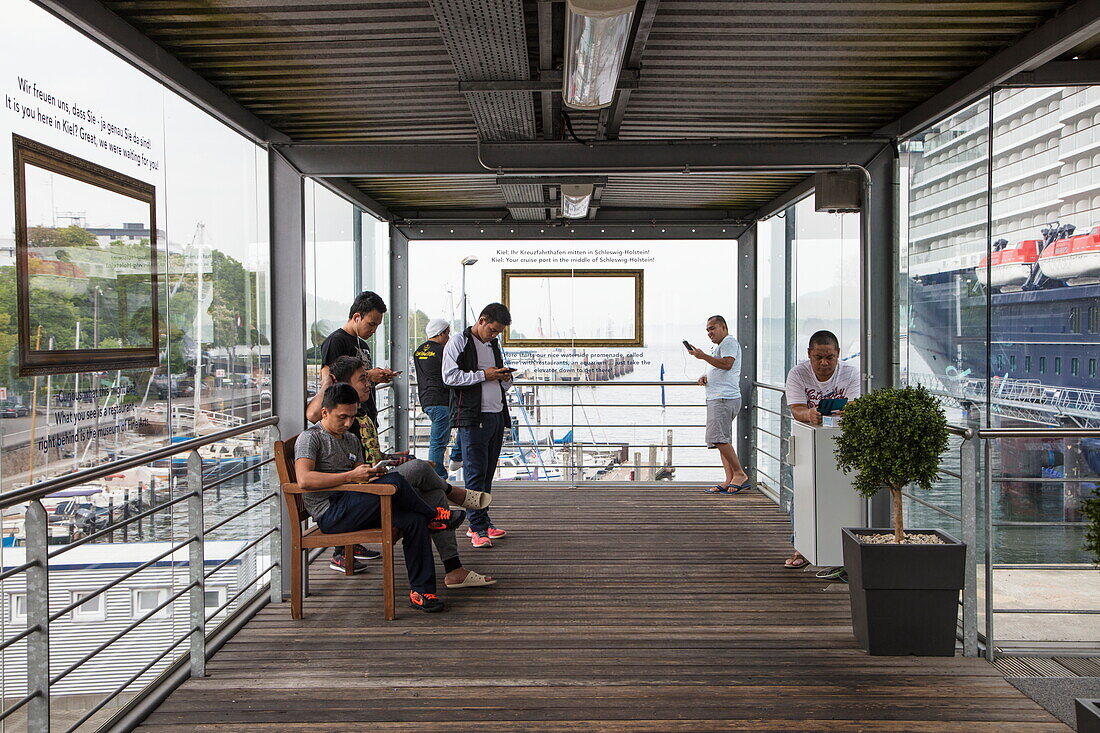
824	500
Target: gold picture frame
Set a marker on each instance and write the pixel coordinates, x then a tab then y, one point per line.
512	279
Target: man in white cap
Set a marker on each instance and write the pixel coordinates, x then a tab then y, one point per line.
435	396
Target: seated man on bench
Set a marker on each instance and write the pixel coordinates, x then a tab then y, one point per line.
420	474
327	456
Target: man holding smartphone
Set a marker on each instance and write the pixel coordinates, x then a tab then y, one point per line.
473	367
364	318
723	392
326	456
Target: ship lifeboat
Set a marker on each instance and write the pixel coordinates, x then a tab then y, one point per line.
1073	259
1010	268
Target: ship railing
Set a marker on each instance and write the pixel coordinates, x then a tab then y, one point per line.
204	628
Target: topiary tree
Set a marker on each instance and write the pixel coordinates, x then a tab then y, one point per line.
892	438
1090	510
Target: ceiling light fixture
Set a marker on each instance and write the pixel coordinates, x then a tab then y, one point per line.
575	199
596	35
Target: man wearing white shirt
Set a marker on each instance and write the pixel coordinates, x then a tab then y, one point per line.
822	377
723	391
473	367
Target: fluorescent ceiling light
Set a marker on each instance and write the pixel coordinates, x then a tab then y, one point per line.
596	34
575	199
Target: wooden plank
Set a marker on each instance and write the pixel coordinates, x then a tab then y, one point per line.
618	609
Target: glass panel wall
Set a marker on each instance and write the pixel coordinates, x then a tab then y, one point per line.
213	368
347	251
774	353
1002	274
607	426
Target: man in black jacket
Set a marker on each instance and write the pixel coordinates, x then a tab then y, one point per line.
473	367
435	396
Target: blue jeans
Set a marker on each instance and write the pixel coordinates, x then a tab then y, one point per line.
480	451
439	437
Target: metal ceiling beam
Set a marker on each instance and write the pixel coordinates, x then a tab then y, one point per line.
108	29
582	229
1058	74
546	64
570	158
548	81
342	188
637	217
551	180
792	195
611	118
1074	25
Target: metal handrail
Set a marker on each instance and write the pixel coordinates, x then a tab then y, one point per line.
993	433
772	387
535	383
69	480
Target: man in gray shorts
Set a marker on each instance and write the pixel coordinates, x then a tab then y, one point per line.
723	390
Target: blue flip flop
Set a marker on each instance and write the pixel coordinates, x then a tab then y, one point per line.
737	488
722	489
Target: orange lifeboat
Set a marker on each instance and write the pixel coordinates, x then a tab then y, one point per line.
1010	268
1073	259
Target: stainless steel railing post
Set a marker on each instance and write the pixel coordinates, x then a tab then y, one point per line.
196	564
38	617
987	450
275	543
968	487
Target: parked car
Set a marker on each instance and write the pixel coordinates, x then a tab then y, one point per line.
13	409
176	386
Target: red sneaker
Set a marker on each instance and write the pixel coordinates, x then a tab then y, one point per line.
496	534
481	540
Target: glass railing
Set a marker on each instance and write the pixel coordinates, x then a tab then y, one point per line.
1030	586
591	430
117	575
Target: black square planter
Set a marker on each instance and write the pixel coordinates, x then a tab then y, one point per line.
1088	715
905	598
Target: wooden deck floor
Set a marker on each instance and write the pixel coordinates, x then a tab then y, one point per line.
651	609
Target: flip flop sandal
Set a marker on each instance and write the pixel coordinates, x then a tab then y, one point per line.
737	488
472	580
716	489
476	499
799	563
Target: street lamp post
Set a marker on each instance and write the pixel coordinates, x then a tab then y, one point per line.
465	305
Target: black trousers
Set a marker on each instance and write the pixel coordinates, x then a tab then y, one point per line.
350	511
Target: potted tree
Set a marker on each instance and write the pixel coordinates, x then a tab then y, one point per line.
904	585
1088	711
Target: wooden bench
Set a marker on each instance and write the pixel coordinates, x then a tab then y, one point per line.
302	539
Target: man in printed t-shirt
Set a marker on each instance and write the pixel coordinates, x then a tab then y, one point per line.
822	377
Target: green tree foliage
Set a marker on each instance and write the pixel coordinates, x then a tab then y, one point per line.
1090	510
70	236
892	438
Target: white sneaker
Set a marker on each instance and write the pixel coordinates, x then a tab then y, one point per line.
454	465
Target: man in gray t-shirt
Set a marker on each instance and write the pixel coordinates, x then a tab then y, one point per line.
327	457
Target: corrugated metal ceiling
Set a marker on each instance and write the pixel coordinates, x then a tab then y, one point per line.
374	70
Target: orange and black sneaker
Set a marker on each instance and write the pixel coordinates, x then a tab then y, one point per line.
426	602
446	519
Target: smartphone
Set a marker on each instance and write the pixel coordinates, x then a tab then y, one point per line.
831	405
510	369
384	463
688	346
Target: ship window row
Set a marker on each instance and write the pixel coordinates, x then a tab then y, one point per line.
143	601
1074	365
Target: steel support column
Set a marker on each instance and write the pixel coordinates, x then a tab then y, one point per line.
288	313
399	335
745	332
879	272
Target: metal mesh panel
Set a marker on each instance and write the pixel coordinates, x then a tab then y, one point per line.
528	214
487	41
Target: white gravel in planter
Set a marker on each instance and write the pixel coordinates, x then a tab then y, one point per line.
911	538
